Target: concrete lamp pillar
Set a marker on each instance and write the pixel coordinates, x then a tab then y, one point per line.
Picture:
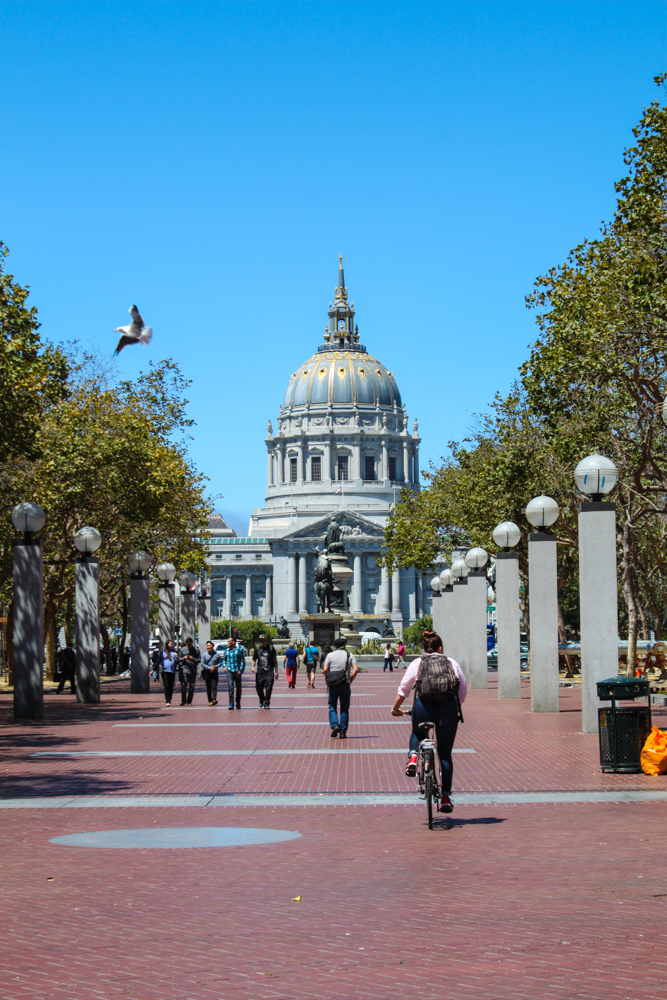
448	634
598	593
508	624
543	597
461	627
166	613
139	611
87	590
204	620
436	610
28	629
508	611
188	614
477	645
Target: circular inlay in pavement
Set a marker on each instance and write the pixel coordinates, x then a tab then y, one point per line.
176	836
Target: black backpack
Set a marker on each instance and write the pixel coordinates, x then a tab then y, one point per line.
338	675
436	678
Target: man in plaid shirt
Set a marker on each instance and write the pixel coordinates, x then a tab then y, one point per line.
233	661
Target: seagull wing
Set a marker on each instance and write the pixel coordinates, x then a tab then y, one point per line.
146	335
136	316
124	341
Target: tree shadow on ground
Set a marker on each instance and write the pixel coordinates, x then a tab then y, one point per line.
31	786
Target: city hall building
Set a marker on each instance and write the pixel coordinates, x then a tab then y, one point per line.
341	447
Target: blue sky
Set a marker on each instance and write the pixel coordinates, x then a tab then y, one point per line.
209	161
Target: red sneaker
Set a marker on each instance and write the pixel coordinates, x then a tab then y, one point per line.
446	804
411	766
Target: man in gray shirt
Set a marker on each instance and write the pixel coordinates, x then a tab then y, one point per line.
339	669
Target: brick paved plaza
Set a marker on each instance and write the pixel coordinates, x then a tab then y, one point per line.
547	881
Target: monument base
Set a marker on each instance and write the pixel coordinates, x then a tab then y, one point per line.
323	628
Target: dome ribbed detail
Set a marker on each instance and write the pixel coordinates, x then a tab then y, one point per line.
343	378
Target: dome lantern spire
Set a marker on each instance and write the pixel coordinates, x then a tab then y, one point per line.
341	332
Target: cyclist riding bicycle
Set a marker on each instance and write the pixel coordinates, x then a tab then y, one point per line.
444	714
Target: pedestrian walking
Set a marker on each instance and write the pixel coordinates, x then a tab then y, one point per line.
388	658
210	661
67	669
265	669
339	669
440	689
400	653
311	655
188	664
291	662
168	662
233	662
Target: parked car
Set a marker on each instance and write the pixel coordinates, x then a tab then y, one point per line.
492	658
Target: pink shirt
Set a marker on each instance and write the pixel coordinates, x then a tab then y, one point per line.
410	676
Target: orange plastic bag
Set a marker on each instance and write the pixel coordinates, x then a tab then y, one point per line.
654	754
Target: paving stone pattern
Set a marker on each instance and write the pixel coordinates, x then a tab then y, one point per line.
515	902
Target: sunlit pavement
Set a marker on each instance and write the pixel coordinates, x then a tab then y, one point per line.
545	881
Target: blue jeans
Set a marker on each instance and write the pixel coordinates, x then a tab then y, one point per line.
445	714
341	691
234	680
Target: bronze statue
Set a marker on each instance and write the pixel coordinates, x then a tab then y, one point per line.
323	580
282	629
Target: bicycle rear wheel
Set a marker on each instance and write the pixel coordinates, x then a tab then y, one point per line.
429	799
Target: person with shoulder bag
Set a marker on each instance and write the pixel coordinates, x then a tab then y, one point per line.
168	664
210	661
265	668
339	669
440	690
311	655
188	662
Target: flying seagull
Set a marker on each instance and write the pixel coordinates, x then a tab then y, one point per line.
135	333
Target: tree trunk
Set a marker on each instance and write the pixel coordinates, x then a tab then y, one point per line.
68	621
10	643
50	637
628	592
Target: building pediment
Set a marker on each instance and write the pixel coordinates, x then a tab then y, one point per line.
351	526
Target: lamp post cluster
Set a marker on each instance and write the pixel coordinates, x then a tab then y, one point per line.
28	603
460	598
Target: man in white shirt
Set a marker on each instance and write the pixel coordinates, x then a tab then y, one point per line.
339	669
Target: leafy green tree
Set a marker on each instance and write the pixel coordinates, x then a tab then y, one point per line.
249	630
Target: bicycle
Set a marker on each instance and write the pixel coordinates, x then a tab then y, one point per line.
428	771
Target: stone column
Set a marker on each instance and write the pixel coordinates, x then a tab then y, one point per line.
461	627
248	597
448	634
326	471
303	585
280	457
291	585
384	471
356	461
543	597
139	612
415	469
228	596
437	614
384	591
269	596
299	463
166	612
508	625
419	593
357	587
477	602
188	614
598	603
204	620
406	462
269	474
412	595
87	591
396	590
28	629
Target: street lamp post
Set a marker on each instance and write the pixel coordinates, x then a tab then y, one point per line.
543	597
28	628
598	593
460	571
188	582
87	600
447	614
166	572
139	563
508	612
204	616
436	612
476	559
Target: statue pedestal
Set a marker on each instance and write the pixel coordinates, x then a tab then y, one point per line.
323	628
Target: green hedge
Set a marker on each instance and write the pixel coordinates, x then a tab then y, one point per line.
249	631
413	634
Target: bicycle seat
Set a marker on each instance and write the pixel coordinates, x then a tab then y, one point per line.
426	726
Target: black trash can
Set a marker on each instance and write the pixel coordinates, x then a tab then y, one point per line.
623	731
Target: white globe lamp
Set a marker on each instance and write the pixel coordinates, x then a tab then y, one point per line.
87	540
436	585
28	517
166	571
446	578
506	535
542	512
476	558
460	569
596	475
